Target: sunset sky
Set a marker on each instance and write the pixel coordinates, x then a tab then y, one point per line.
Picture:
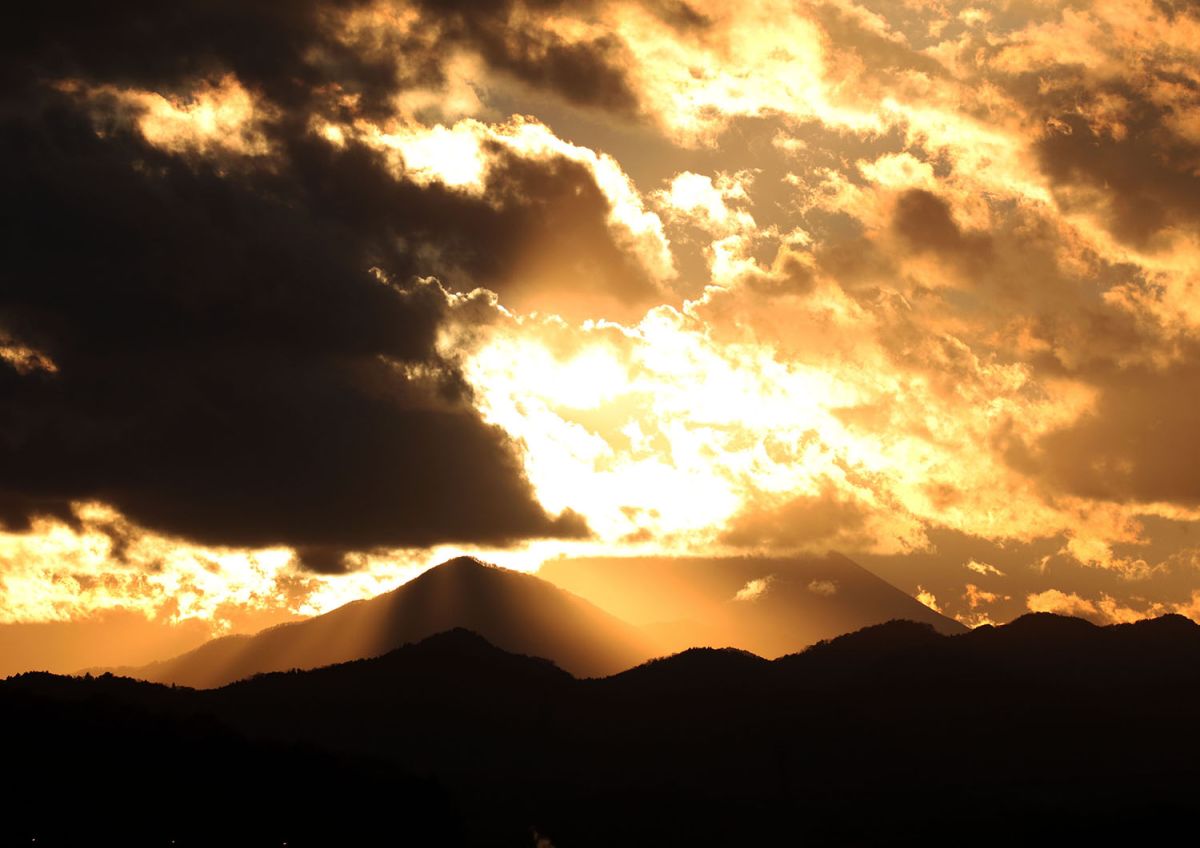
297	300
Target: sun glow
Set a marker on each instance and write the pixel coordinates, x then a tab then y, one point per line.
647	434
662	436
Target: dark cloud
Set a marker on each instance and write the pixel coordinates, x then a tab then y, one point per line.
808	521
924	220
323	559
855	261
1173	9
881	56
1142	176
294	52
505	33
286	50
1027	294
789	276
681	15
230	368
1136	445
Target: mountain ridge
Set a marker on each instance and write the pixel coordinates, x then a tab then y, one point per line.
932	734
871	643
512	609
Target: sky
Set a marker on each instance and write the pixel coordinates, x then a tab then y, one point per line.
297	300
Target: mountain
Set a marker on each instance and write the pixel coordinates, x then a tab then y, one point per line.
770	607
592	617
1046	729
516	611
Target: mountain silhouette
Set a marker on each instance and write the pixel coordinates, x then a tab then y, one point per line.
1044	729
592	617
785	604
516	611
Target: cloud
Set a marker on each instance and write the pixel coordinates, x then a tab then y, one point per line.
1104	610
286	53
1062	603
512	37
754	589
220	118
805	522
543	206
983	568
1191	607
326	54
825	588
924	220
244	356
976	597
973	620
1127	449
928	599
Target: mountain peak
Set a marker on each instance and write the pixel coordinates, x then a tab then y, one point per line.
1049	624
465	567
878	639
455	636
512	610
464	562
457	640
1171	622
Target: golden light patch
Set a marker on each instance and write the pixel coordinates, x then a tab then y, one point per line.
761	59
928	599
221	116
657	432
24	359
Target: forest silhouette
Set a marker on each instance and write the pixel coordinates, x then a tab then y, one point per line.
1048	727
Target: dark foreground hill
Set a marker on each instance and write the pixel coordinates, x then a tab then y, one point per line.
515	611
1047	728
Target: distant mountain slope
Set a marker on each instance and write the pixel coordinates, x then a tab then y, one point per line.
103	639
1044	729
785	604
516	611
